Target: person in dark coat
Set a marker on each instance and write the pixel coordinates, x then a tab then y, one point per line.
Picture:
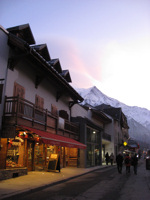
111	158
127	161
107	158
135	163
119	161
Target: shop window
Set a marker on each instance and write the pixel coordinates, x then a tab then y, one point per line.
98	139
71	157
88	135
49	150
15	153
93	136
89	155
39	156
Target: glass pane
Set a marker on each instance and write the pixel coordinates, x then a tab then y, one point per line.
88	135
97	155
90	155
15	154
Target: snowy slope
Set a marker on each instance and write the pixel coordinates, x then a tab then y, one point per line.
94	97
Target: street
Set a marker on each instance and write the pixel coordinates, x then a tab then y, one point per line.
104	184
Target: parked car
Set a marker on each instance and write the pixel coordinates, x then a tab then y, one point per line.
148	160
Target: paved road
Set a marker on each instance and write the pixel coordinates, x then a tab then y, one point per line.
104	184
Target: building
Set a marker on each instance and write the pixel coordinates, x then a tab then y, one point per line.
36	100
118	128
92	134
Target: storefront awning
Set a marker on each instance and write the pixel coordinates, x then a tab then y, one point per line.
53	139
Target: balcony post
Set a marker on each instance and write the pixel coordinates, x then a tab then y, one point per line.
33	116
46	120
17	109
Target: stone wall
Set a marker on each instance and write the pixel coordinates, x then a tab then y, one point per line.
12	173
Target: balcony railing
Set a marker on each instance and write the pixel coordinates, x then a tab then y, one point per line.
18	110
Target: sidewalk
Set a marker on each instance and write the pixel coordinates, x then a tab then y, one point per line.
37	180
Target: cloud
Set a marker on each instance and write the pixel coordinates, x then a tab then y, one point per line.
125	71
68	52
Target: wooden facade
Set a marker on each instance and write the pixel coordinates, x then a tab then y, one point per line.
19	111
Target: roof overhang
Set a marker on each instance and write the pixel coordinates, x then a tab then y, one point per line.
45	66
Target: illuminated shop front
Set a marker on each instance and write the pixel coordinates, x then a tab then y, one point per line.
15	153
32	148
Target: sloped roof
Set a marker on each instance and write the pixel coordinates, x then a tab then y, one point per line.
42	50
55	63
102	116
24	32
116	113
113	112
66	75
44	65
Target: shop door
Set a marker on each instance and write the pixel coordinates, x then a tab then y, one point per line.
30	155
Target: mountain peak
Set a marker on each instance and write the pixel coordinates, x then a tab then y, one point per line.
138	118
94	97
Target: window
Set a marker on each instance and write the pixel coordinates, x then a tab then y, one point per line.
15	153
63	114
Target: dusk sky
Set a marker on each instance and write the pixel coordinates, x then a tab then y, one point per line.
103	43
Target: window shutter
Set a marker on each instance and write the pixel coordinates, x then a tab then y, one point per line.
19	90
39	101
54	110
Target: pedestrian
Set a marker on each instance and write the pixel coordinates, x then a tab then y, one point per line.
111	158
127	161
119	161
135	163
107	158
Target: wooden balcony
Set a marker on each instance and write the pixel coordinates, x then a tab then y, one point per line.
19	111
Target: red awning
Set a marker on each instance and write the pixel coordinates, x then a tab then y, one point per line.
53	139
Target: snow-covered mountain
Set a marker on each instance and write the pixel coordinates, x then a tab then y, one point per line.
138	118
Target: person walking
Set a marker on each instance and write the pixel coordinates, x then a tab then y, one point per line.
107	158
111	158
127	161
119	161
135	163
